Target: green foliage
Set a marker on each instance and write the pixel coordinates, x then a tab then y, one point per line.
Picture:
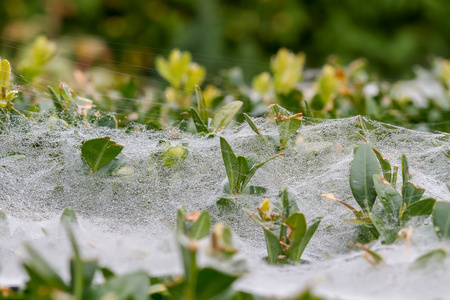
99	152
173	155
194	225
239	169
285	229
182	74
38	55
69	106
337	91
363	167
114	167
287	70
390	213
441	219
225	115
202	282
68	217
7	95
287	123
198	282
220	120
433	258
45	283
134	286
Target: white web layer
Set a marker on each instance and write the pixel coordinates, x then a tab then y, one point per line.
127	221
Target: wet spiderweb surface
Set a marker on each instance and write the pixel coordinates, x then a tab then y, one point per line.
127	221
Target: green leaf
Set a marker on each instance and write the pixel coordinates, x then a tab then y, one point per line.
371	256
225	115
189	257
254	190
422	207
390	199
107	273
68	216
109	121
212	282
306	238
441	219
405	174
173	156
198	122
232	294
357	221
287	128
251	160
253	126
363	167
77	268
5	72
297	229
38	269
88	269
433	258
156	289
412	193
133	286
200	228
98	152
201	104
363	124
113	165
385	165
273	246
66	96
227	237
56	101
231	163
297	225
181	226
289	205
243	170
279	110
226	205
163	68
252	171
385	232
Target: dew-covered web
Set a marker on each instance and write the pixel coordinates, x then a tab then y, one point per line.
127	221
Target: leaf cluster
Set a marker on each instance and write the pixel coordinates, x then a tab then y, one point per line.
240	169
285	230
219	121
197	282
287	123
385	217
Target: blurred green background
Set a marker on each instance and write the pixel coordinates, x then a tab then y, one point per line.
392	35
